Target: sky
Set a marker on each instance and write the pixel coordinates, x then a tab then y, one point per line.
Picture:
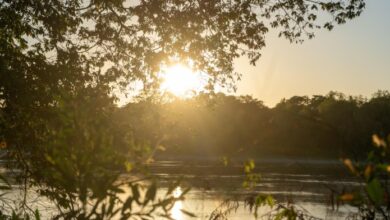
353	58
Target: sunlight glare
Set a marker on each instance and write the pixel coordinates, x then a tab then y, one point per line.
181	81
176	212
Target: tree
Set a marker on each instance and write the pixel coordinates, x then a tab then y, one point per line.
61	61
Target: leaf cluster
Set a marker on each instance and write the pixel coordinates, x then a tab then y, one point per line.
373	198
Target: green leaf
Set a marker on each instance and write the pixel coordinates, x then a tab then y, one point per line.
37	215
270	201
375	191
128	166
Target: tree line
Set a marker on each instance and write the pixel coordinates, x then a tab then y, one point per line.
321	126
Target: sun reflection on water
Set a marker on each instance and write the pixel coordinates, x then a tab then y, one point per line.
176	212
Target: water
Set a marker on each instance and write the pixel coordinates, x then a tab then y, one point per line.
308	184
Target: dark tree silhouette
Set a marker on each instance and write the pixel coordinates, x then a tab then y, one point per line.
330	126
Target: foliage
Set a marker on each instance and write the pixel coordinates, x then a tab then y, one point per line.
13	214
261	205
18	216
209	33
329	126
62	61
278	211
223	211
372	199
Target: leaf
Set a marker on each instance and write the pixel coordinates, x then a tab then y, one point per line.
368	171
378	142
2	178
270	201
184	192
249	166
172	187
49	159
37	215
347	197
128	166
375	191
112	202
348	163
5	187
127	204
135	192
150	193
161	148
188	213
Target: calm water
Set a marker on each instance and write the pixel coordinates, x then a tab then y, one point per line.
306	184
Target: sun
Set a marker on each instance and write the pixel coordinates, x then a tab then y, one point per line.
181	81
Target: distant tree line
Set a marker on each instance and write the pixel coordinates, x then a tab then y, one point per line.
320	126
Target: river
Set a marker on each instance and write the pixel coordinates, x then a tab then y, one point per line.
307	184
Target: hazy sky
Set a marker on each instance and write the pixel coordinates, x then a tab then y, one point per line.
353	58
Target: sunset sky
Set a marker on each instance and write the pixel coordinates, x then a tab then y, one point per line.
353	58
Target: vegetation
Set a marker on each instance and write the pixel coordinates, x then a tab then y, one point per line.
61	63
330	126
372	199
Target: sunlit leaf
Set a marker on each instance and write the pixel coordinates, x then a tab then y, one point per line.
128	166
161	148
347	197
348	163
378	142
270	201
367	171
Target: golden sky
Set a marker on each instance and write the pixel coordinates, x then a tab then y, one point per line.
354	58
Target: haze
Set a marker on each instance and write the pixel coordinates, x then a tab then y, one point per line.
353	59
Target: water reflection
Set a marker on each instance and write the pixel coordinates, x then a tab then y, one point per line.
305	184
176	212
